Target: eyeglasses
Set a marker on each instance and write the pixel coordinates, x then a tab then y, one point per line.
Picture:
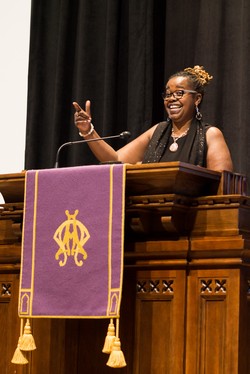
178	94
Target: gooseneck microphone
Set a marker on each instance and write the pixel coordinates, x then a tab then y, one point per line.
122	135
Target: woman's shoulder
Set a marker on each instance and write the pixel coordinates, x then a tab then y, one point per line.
159	125
212	130
158	129
214	134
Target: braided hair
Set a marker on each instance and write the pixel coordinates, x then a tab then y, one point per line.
198	77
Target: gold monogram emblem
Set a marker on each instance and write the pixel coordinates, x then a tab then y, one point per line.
71	236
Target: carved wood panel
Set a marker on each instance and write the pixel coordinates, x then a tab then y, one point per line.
213	309
160	322
9	323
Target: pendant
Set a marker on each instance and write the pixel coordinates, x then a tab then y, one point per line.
173	147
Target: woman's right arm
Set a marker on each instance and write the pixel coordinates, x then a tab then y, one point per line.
132	152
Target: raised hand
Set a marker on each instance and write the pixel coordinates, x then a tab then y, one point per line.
83	118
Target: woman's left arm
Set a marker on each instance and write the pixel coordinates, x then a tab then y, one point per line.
218	154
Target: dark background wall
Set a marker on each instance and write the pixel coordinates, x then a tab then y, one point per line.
119	54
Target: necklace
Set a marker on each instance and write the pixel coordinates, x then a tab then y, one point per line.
174	146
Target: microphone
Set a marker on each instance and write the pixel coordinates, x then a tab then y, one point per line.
122	135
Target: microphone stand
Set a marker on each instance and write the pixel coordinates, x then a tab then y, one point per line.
123	135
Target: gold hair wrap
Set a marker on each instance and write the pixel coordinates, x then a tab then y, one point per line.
202	76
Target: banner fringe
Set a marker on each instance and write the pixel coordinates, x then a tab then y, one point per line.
110	337
19	357
116	358
27	340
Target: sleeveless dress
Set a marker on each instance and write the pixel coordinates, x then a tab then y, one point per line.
192	148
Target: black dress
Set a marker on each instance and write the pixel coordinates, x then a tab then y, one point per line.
192	148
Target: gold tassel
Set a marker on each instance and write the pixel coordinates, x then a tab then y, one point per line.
116	358
27	341
109	340
19	356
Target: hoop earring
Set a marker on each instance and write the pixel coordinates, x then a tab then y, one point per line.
198	113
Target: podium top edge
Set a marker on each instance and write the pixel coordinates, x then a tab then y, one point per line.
178	165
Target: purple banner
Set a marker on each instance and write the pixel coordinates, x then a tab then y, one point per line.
72	250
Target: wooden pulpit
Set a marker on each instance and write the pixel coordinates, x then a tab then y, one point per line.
185	305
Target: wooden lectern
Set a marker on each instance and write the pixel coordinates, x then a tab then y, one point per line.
185	306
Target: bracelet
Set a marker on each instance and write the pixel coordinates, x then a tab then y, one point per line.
88	133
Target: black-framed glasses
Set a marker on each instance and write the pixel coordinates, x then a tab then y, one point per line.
178	94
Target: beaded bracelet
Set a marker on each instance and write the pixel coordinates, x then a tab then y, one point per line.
88	133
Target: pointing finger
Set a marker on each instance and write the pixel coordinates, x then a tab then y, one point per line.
77	106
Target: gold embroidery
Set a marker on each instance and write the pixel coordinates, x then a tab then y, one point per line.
25	303
71	236
114	298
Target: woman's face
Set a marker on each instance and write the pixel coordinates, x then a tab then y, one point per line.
181	110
